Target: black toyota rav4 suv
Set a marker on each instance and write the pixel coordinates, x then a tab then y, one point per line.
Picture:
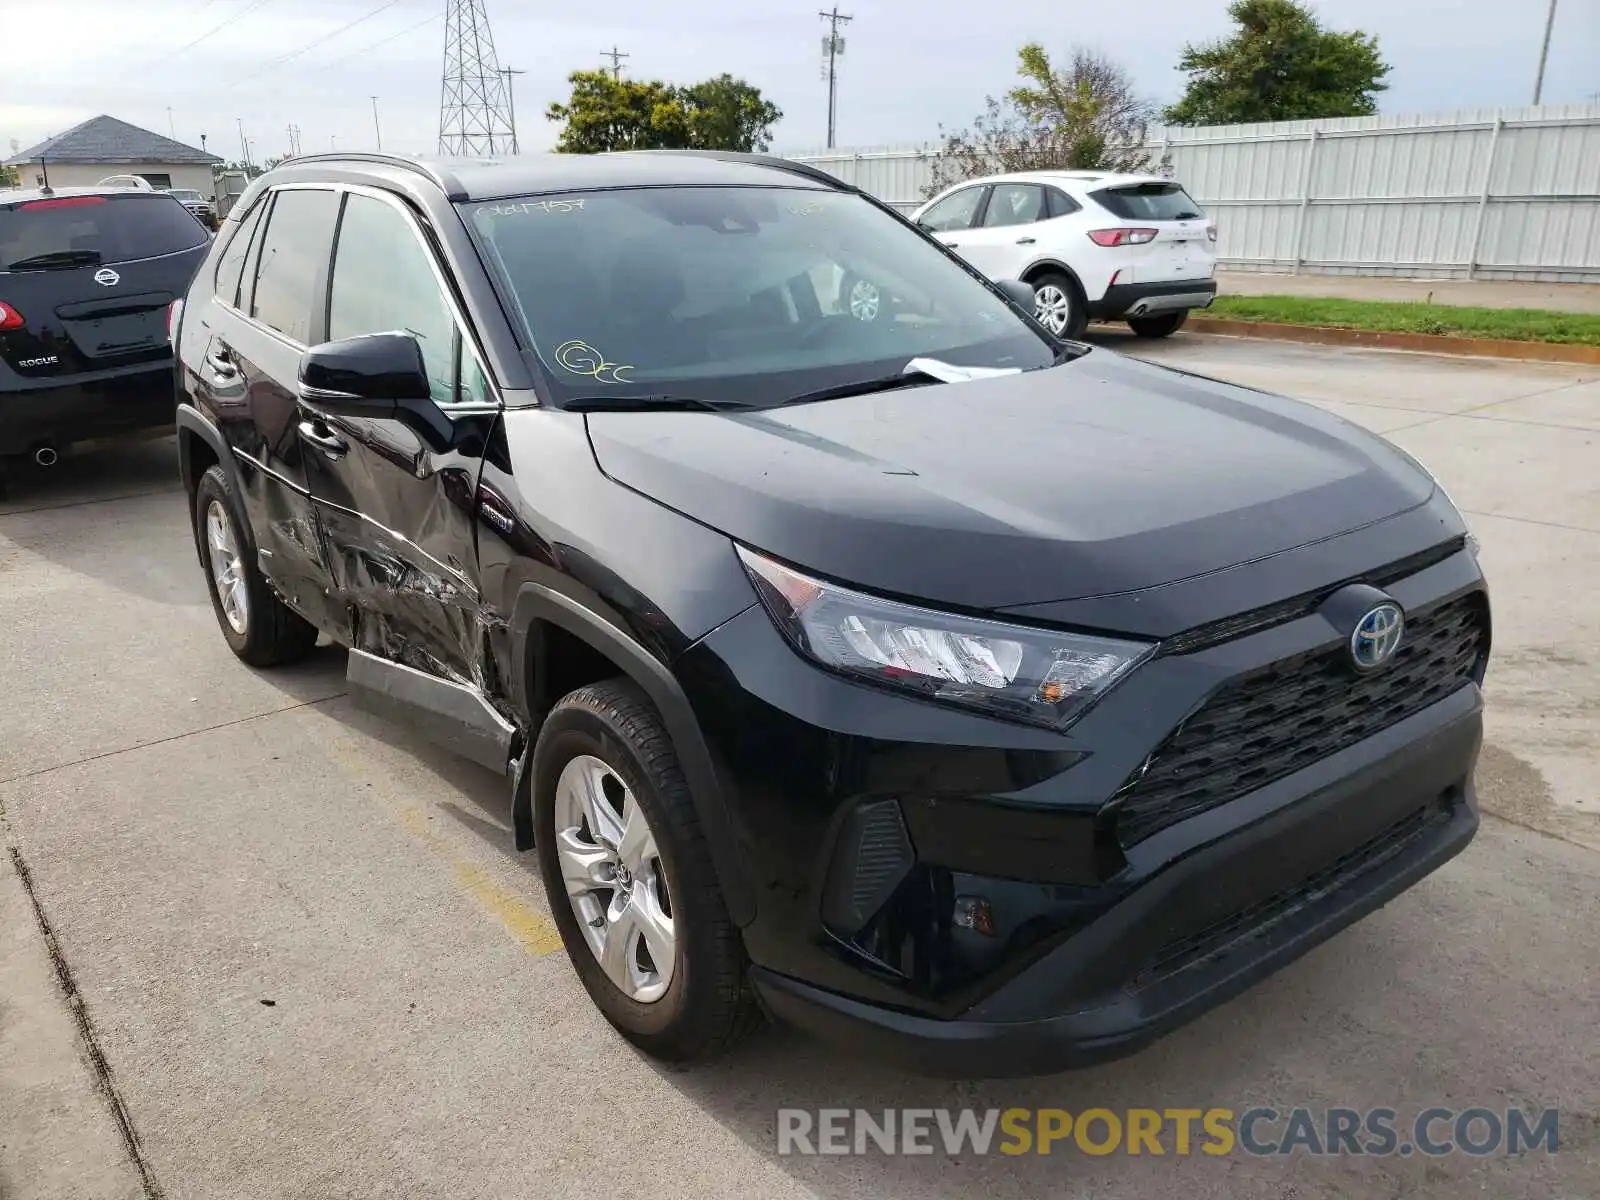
992	702
87	277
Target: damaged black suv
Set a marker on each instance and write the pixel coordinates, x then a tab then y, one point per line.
856	651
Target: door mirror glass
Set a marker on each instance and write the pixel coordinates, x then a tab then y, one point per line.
375	375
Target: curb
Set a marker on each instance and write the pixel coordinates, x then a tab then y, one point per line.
1426	343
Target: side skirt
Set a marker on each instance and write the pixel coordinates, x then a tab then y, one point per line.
452	715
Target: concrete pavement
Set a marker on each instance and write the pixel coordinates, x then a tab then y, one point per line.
315	968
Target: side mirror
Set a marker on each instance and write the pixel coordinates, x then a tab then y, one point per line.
370	376
1019	293
377	376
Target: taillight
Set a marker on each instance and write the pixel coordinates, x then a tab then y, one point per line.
1122	237
64	202
174	315
10	318
1211	232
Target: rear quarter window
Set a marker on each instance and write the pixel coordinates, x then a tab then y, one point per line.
1149	202
118	228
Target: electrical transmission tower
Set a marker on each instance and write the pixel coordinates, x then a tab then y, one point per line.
474	110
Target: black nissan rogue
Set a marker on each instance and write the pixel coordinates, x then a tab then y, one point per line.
991	702
87	276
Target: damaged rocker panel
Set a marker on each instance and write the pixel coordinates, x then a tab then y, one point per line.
453	715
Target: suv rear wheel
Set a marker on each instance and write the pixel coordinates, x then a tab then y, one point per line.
629	878
259	627
1159	326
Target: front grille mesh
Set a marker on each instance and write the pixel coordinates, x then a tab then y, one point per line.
1272	722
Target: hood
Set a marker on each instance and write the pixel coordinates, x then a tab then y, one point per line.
1102	475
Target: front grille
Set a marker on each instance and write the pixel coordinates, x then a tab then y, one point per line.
1257	918
1273	721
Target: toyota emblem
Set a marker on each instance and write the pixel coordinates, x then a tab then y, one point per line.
1377	636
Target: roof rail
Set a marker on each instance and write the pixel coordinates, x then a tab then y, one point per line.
452	186
805	170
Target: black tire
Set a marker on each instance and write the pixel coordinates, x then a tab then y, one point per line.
274	634
1045	287
708	1005
1161	326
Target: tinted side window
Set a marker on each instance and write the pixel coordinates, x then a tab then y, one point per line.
1014	204
1061	204
954	211
230	266
294	257
383	282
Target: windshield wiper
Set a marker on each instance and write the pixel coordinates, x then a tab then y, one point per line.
659	402
863	387
57	260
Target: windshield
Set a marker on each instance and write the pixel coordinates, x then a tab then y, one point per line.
65	232
185	195
745	296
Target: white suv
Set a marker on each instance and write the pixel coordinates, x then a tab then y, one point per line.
1093	244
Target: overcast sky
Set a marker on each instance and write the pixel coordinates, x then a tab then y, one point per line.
910	65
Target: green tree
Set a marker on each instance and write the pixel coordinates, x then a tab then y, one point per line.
1279	65
606	113
1085	116
729	114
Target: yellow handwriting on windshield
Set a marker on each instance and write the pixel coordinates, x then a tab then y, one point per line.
583	359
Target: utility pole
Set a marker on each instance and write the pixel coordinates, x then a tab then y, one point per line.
833	46
616	56
294	140
377	131
474	117
511	103
1544	52
171	128
244	144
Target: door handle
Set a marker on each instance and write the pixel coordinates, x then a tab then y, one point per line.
1026	241
952	245
330	444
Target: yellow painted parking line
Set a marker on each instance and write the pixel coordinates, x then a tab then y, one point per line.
535	931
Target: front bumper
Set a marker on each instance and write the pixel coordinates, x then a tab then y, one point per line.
871	826
1199	931
1148	299
122	401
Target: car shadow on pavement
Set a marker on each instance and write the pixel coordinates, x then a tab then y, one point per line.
1275	1045
108	472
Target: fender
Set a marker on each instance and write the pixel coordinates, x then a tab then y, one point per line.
536	602
1042	265
191	421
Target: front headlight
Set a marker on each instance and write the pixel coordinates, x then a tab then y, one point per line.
1042	676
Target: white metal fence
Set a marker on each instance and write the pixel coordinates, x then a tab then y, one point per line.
1480	193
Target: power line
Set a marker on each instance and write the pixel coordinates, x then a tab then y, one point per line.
243	12
321	40
429	20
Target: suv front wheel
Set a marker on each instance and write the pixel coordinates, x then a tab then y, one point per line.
259	627
630	880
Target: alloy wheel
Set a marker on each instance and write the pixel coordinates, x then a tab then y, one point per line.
227	568
865	300
614	878
1053	308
